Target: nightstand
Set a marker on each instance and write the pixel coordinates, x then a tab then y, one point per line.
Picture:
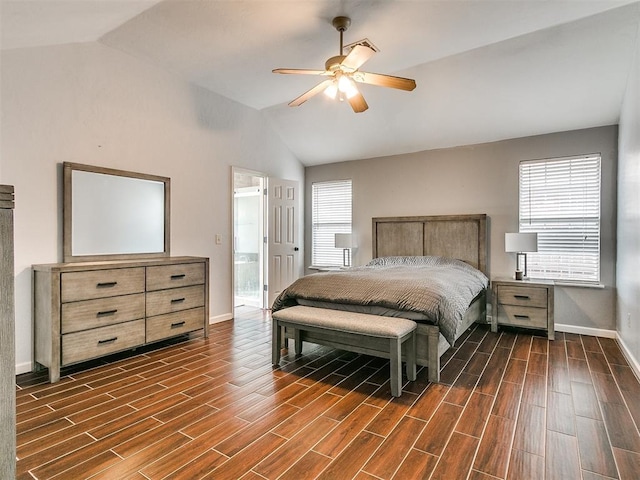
523	303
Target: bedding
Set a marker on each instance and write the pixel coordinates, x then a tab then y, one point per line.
434	289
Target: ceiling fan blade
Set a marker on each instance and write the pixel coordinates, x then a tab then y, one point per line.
358	103
357	56
385	80
300	71
310	93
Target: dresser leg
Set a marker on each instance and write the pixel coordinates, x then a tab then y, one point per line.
54	374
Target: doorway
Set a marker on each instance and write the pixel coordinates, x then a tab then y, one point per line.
248	239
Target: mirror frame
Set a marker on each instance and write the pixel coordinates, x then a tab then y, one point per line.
67	217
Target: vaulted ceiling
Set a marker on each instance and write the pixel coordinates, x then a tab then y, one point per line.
485	70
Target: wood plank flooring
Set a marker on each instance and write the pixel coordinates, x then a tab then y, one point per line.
510	406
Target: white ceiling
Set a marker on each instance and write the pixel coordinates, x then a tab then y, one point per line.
486	70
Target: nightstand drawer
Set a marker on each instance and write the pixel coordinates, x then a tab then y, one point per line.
524	296
522	316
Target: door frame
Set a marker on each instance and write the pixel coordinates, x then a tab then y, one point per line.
264	176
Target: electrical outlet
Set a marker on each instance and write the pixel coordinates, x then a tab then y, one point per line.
218	239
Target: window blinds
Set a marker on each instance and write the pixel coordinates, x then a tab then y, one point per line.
560	200
331	214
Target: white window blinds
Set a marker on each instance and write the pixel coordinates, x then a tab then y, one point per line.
331	214
560	200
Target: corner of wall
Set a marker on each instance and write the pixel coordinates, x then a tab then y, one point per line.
628	218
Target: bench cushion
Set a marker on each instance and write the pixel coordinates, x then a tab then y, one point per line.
349	322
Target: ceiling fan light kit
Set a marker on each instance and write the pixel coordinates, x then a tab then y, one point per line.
343	71
342	85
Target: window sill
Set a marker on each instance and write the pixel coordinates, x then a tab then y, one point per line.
327	269
565	283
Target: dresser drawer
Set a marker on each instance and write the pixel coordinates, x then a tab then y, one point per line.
523	296
174	300
172	276
80	346
522	316
77	316
87	285
172	324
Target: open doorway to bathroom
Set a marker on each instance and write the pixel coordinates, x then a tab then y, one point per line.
248	235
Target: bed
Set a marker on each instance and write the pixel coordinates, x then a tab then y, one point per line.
456	239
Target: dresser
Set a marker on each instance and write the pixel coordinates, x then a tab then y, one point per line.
87	310
7	337
523	303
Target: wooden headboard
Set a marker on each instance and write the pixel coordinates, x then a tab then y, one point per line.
455	236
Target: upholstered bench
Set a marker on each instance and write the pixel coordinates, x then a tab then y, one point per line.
385	337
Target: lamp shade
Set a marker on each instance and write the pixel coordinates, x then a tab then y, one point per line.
520	242
345	240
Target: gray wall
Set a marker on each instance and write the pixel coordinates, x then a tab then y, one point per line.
88	103
628	281
481	179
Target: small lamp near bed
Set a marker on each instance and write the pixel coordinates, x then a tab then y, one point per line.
345	241
521	244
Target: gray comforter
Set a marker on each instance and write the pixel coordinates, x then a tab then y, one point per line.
439	288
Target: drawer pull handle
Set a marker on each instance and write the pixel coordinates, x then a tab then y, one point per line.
523	297
108	340
104	313
178	300
522	317
177	324
178	276
106	284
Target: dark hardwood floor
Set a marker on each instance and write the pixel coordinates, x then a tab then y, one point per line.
510	405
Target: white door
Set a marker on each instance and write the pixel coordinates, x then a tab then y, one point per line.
282	234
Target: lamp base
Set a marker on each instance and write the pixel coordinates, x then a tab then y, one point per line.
521	264
346	257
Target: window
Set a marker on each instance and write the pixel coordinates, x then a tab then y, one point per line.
331	214
560	200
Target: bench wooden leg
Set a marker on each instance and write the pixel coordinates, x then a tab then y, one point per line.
276	342
410	355
284	341
297	336
395	358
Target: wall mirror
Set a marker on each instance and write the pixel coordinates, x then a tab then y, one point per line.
113	214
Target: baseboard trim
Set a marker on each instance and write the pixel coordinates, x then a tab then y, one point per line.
220	318
27	367
593	332
23	368
633	363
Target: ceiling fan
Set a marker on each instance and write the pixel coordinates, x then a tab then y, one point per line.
343	71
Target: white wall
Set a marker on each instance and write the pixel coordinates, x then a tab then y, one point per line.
88	103
628	268
481	179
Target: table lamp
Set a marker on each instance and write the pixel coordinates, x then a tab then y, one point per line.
345	241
